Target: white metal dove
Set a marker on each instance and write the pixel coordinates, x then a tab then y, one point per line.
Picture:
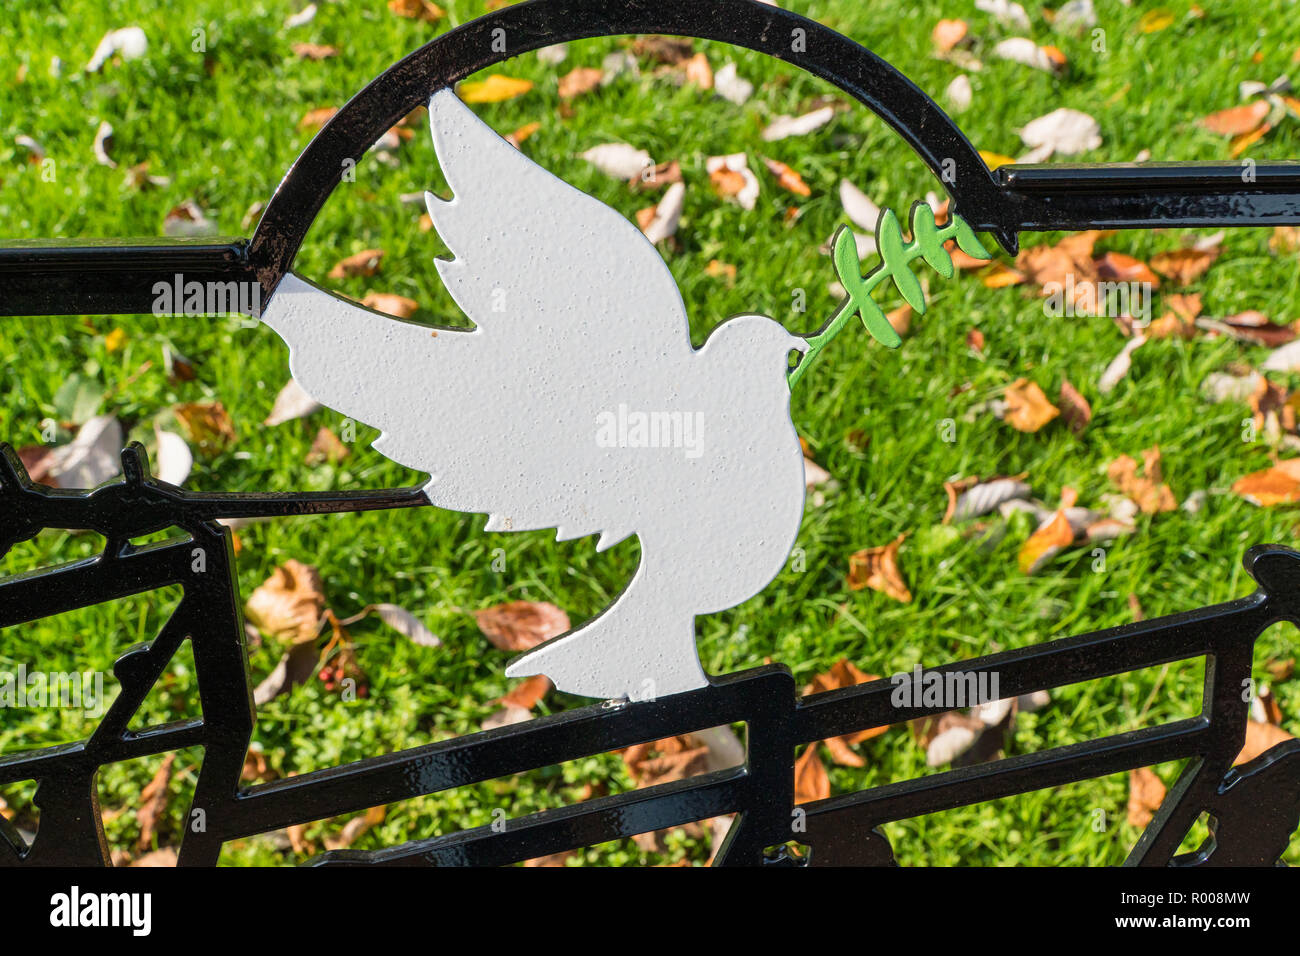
577	403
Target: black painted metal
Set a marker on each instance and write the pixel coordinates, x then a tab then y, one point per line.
1253	808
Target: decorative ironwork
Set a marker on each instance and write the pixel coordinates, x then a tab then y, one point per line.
1252	809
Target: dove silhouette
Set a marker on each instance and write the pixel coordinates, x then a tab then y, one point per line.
576	403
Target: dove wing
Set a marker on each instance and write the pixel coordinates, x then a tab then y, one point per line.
576	316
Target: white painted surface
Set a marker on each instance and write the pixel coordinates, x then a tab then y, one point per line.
532	416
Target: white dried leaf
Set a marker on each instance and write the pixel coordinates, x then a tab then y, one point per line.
949	745
993	712
292	402
102	137
92	458
1005	12
1119	365
1224	387
1064	130
406	623
188	221
300	19
1284	359
553	55
959	94
618	159
814	474
129	42
784	127
667	214
35	148
1028	703
1025	51
859	207
1075	13
506	716
616	64
174	458
728	84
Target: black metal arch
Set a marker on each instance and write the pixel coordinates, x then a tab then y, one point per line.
525	27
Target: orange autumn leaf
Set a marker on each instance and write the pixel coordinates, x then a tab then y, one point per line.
1236	120
364	263
844	673
495	89
1028	409
315	119
811	782
208	424
1243	142
999	275
425	10
1117	266
1259	738
787	178
948	33
522	133
727	182
877	568
1146	491
527	693
1041	546
289	603
520	625
1146	792
314	51
396	305
699	71
1279	485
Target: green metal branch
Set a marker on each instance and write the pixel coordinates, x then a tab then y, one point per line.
895	258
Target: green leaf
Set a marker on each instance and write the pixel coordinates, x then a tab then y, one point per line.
878	325
889	237
967	241
926	236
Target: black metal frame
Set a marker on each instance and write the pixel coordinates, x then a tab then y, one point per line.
1253	808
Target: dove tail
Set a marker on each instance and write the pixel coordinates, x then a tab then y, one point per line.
642	647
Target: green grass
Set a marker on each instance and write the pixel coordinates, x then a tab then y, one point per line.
223	127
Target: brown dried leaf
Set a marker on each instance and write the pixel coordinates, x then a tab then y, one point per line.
1075	410
314	51
528	692
315	119
390	304
1118	267
289	603
425	10
364	263
877	568
1028	409
520	625
787	178
811	782
153	800
1184	266
208	425
580	80
699	72
1146	792
1146	491
1259	738
326	448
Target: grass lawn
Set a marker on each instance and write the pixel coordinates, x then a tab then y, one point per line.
223	126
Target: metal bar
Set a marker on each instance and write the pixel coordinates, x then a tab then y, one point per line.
112	276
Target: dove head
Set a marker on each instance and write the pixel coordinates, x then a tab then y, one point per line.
755	343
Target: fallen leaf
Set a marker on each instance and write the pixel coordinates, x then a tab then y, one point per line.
291	402
1064	131
580	80
1153	21
1278	485
153	800
1028	53
663	219
91	458
355	828
1119	366
787	178
1028	409
495	89
618	159
314	51
173	459
1046	542
1183	266
784	127
1146	491
520	625
396	305
208	425
514	139
1075	410
188	221
130	43
315	119
363	264
300	19
699	72
289	604
1145	794
425	10
528	692
326	447
811	782
732	178
844	673
1236	120
731	87
664	49
1118	267
1260	737
948	33
877	568
859	208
